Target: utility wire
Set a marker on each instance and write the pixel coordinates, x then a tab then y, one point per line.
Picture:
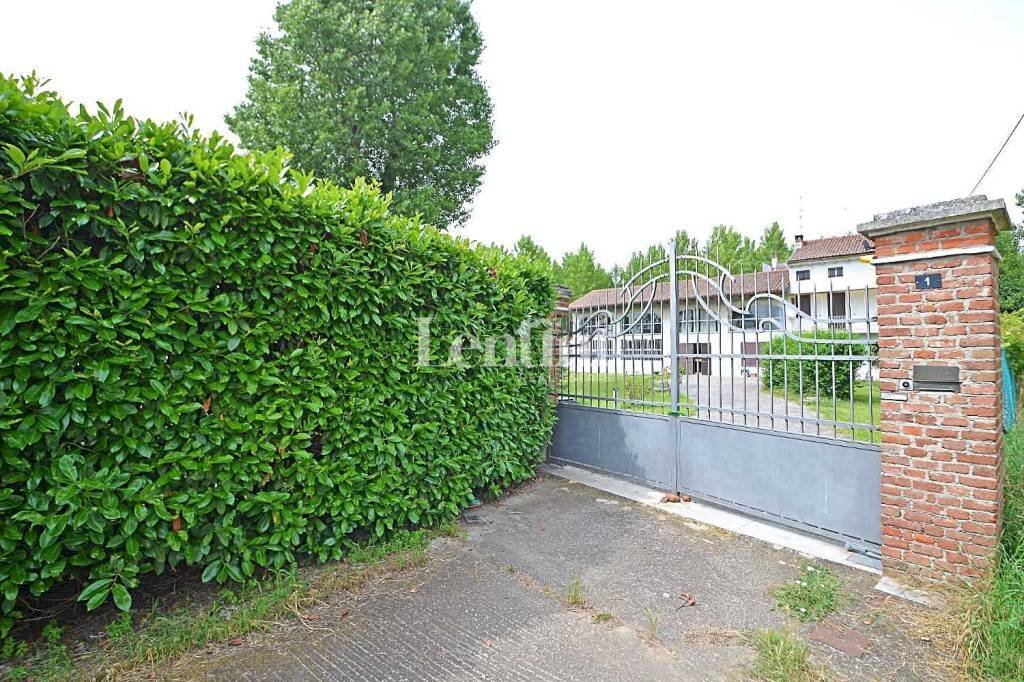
997	155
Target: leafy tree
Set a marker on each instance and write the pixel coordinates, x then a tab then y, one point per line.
1011	269
384	89
773	245
685	243
642	259
654	253
581	273
532	251
733	251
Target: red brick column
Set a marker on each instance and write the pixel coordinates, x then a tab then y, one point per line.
560	323
942	466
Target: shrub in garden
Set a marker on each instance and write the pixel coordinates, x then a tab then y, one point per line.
208	358
1011	328
828	378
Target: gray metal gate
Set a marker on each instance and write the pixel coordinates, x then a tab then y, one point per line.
754	391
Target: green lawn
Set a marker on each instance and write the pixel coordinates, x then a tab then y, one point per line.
866	409
633	392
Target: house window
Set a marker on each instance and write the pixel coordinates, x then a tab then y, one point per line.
602	346
803	275
697	320
641	346
593	325
649	324
835	272
766	314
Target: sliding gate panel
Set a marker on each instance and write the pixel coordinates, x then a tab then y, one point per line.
823	486
640	447
757	391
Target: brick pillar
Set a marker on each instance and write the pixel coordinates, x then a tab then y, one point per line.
559	324
942	465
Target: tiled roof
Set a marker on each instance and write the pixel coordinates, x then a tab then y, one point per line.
833	247
774	281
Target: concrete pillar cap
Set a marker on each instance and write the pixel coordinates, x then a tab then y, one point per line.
941	213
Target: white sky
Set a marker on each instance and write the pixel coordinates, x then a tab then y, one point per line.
619	122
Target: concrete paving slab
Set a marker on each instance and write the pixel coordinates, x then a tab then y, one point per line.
773	534
492	605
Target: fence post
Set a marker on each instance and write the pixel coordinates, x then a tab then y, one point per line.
939	362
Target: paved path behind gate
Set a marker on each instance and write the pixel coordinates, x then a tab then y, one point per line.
745	394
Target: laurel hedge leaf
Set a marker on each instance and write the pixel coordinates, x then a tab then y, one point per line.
209	358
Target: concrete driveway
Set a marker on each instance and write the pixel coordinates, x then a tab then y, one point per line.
767	410
492	606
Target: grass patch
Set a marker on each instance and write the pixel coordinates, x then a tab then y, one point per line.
574	592
159	636
652	630
630	392
994	636
602	617
814	595
865	408
781	656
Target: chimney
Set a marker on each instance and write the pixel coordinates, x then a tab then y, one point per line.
799	239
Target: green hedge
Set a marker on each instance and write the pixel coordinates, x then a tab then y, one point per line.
207	358
830	379
1011	327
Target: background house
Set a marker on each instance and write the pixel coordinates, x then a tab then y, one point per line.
833	277
713	332
830	280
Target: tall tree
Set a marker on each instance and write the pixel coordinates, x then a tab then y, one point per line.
642	259
581	273
527	248
685	243
773	245
1011	268
645	259
732	250
385	89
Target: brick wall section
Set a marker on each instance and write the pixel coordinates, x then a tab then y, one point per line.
941	452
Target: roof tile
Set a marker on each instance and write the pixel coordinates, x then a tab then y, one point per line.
833	247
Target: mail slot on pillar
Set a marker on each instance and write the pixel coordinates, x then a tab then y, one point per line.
937	378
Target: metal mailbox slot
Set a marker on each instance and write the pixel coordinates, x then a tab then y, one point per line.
936	378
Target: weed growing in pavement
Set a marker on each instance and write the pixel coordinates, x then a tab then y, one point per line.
781	656
816	593
652	630
574	593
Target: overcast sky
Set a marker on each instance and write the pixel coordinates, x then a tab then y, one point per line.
618	123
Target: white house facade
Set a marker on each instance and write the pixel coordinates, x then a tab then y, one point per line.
833	278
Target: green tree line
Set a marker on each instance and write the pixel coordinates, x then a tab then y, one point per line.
580	271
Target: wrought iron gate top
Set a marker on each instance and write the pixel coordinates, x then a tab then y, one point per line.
683	335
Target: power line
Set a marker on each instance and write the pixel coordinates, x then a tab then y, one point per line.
997	155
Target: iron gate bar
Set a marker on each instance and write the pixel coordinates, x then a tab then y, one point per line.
673	313
724	311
